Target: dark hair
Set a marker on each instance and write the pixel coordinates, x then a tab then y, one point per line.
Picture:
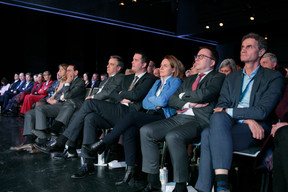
4	80
214	53
144	57
262	43
120	61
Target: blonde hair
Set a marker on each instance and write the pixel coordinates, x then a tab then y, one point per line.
177	65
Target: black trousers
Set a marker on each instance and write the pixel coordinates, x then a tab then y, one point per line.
94	114
129	127
280	160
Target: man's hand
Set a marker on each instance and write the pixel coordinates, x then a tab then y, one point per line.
89	97
276	126
256	129
69	78
197	105
126	101
219	109
52	101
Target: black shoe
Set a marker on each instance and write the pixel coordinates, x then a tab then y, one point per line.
84	170
54	147
49	147
41	147
66	155
129	176
149	188
98	147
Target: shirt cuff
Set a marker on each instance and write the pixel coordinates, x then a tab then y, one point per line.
67	84
230	111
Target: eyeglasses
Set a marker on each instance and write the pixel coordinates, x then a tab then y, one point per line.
200	57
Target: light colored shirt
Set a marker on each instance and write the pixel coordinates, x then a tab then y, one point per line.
246	84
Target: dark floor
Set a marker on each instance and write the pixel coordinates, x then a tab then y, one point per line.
21	171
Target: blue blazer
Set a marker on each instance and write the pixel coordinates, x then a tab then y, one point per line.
151	101
29	87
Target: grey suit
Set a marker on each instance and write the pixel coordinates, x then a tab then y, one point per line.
226	134
180	130
109	85
63	110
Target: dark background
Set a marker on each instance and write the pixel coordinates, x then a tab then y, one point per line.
35	41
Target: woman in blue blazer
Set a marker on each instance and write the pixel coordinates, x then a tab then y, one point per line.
156	108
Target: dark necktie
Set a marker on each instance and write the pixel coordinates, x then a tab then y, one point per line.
196	82
133	83
194	86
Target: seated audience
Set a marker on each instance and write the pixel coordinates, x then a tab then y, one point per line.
194	100
4	87
61	107
103	76
29	120
227	66
37	94
98	114
156	105
247	95
17	88
12	105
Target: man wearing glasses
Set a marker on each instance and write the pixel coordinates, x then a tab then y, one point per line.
194	100
242	115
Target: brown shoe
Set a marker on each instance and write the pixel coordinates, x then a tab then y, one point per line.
27	147
34	150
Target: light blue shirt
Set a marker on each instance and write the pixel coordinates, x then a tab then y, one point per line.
246	84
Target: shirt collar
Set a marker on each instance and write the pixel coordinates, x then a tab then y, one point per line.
253	73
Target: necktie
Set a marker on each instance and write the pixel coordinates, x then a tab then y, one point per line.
196	82
133	83
194	86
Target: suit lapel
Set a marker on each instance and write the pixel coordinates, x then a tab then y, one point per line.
256	85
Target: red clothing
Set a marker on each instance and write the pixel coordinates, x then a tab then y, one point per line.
31	99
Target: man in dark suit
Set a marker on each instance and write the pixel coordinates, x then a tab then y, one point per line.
106	87
12	92
247	96
26	88
61	107
194	100
98	114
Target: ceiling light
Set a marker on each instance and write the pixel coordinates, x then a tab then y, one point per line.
121	3
134	1
221	24
252	18
207	27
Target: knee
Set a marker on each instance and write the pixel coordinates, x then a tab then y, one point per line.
146	131
205	135
29	114
281	135
172	137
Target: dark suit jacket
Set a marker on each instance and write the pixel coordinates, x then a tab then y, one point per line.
75	93
207	92
14	85
137	94
109	85
29	88
266	93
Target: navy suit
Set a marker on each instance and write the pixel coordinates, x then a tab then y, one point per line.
10	93
226	134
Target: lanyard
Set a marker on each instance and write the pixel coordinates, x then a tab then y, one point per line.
245	90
